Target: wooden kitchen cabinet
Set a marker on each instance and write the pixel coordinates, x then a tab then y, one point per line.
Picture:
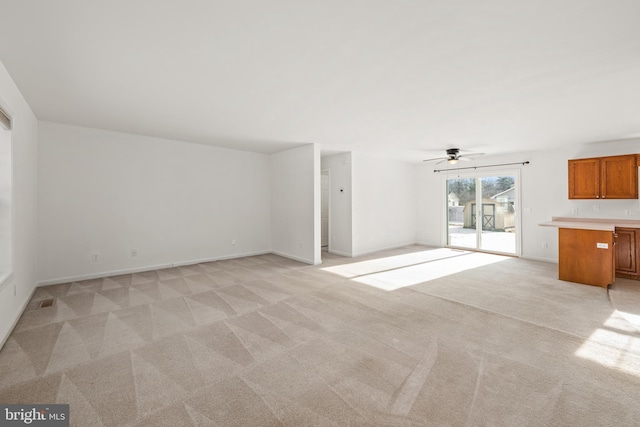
628	252
613	177
584	179
586	256
619	177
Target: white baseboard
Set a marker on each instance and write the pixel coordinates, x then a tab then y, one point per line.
109	273
429	244
345	254
293	257
5	278
220	258
102	274
331	251
4	339
534	258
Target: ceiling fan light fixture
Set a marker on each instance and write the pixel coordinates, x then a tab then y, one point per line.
453	156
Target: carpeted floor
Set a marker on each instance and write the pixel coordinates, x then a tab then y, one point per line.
413	336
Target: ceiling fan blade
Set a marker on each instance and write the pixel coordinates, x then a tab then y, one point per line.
437	158
452	154
469	157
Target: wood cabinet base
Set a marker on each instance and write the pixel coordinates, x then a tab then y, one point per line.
627	276
628	253
583	257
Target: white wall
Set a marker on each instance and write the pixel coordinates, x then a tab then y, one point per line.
15	293
295	203
544	192
429	195
6	202
340	223
384	203
174	202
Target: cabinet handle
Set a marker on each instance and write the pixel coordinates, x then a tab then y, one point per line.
597	197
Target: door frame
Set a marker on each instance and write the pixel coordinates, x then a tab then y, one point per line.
328	173
476	174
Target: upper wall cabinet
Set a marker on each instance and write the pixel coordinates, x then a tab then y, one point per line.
614	177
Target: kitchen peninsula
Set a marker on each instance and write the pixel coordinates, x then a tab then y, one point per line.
588	252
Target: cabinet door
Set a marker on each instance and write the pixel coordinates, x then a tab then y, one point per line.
584	179
586	256
626	251
619	177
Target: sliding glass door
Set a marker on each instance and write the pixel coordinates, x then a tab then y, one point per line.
482	213
461	198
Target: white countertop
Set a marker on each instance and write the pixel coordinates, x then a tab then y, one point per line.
591	223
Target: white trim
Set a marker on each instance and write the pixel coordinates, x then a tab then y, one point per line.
340	253
220	258
5	279
295	258
17	318
12	208
444	217
110	273
535	258
430	245
328	173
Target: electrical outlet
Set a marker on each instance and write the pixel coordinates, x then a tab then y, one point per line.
596	208
627	212
574	211
134	253
545	245
95	257
527	210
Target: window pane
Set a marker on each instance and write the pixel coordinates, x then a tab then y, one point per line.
461	195
498	214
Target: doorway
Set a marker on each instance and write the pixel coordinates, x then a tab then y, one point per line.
324	210
482	213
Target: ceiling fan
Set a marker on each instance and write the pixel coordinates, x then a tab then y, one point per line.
453	156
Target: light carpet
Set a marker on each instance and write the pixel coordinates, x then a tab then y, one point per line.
408	337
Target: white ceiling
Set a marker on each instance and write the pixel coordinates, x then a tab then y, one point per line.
407	78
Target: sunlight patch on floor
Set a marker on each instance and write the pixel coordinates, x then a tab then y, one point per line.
393	262
399	271
615	345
